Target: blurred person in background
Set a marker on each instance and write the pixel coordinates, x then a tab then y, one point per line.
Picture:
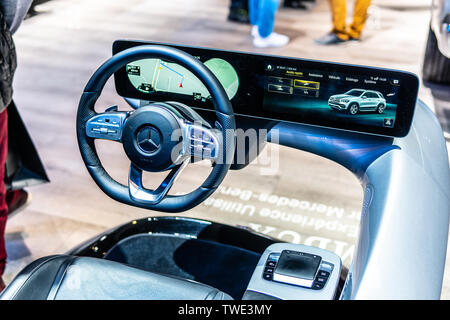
238	8
341	32
262	18
12	13
297	4
238	11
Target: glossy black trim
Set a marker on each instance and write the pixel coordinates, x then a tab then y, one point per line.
175	226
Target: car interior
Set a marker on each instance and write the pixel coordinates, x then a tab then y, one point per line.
186	106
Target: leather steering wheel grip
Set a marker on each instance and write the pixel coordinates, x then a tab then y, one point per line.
224	114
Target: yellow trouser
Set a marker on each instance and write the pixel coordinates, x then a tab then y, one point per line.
339	12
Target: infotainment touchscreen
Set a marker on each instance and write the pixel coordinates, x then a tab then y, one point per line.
355	98
368	99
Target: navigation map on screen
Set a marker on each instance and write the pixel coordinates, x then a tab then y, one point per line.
156	75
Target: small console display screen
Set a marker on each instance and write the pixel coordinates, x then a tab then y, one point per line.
353	98
298	264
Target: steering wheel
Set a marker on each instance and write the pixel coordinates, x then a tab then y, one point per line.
157	137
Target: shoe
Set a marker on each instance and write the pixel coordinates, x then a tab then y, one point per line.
238	15
274	40
255	31
354	39
329	39
2	284
17	200
296	4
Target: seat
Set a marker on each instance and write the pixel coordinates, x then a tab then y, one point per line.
63	277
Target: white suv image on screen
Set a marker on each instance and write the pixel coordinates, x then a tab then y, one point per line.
358	100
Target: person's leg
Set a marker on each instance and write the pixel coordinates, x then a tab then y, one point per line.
238	11
253	11
338	14
339	33
17	200
359	18
266	18
3	205
296	4
265	37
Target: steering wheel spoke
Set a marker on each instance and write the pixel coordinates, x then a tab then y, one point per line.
107	125
140	194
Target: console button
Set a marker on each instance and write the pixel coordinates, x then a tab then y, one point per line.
317	286
321	280
323	274
271	264
268	270
326	266
267	276
273	257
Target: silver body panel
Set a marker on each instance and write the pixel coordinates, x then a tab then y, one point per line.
403	236
404	225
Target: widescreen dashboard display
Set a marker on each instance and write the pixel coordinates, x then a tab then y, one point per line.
355	98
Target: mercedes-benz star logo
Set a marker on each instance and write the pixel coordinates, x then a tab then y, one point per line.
149	139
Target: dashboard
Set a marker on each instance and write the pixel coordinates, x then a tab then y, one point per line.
355	98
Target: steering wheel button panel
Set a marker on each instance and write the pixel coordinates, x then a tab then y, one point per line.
196	151
209	153
106	126
202	142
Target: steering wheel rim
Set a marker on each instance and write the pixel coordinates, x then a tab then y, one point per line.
224	114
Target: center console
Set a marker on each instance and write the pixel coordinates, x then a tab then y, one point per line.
295	272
